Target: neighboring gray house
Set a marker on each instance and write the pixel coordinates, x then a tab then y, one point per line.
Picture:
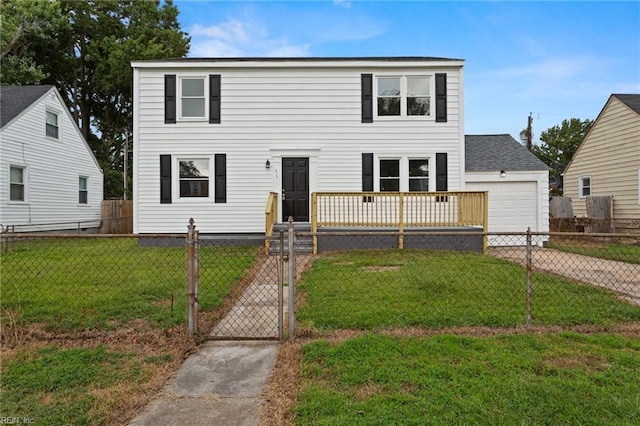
517	181
49	178
607	162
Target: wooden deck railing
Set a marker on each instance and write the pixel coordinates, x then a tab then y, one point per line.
271	217
399	210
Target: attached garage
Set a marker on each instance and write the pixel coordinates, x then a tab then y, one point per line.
517	182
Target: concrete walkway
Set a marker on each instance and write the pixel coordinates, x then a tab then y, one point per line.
621	277
222	382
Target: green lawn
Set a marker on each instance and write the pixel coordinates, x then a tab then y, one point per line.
526	379
629	253
394	288
53	386
101	283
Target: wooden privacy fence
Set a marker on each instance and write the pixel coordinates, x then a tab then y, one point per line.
117	217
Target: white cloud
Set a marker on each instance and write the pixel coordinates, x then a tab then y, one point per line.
234	38
280	30
342	3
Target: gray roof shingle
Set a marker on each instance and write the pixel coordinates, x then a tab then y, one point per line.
498	152
15	99
632	101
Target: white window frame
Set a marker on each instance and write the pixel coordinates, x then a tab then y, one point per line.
205	81
581	186
25	179
404	96
210	176
49	110
404	169
86	190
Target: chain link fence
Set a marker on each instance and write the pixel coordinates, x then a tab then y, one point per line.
232	288
447	280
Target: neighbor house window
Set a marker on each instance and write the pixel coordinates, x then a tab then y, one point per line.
16	183
83	193
419	175
192	97
404	96
584	186
389	175
52	127
194	177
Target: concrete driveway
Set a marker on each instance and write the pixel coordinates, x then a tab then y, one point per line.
621	277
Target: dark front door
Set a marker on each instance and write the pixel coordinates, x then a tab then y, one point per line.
295	189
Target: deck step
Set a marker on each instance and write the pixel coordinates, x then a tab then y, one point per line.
303	244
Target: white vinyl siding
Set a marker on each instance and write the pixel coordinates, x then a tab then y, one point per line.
610	154
52	193
271	112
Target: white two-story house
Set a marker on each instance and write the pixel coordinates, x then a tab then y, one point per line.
215	139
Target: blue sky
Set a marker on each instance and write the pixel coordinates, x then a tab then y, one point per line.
556	60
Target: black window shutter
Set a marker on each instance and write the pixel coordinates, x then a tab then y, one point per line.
169	99
367	175
220	176
165	179
367	172
214	99
441	172
367	98
441	98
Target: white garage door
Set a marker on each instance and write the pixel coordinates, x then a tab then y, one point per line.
512	207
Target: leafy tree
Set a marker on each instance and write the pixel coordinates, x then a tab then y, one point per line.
85	48
559	143
24	22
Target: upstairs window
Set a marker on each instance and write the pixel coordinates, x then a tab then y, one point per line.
419	175
16	183
418	101
388	96
403	96
194	177
584	186
192	97
52	128
83	192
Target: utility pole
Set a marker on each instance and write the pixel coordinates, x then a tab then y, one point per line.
126	162
529	132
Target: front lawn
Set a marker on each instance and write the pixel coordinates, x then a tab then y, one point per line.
102	283
565	378
393	289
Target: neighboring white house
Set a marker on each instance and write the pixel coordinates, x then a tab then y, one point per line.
50	179
607	162
213	137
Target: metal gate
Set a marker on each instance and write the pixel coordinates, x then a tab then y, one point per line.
240	286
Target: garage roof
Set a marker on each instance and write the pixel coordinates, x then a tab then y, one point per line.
498	152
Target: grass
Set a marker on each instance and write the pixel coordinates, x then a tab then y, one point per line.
605	250
565	378
80	385
392	288
104	283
